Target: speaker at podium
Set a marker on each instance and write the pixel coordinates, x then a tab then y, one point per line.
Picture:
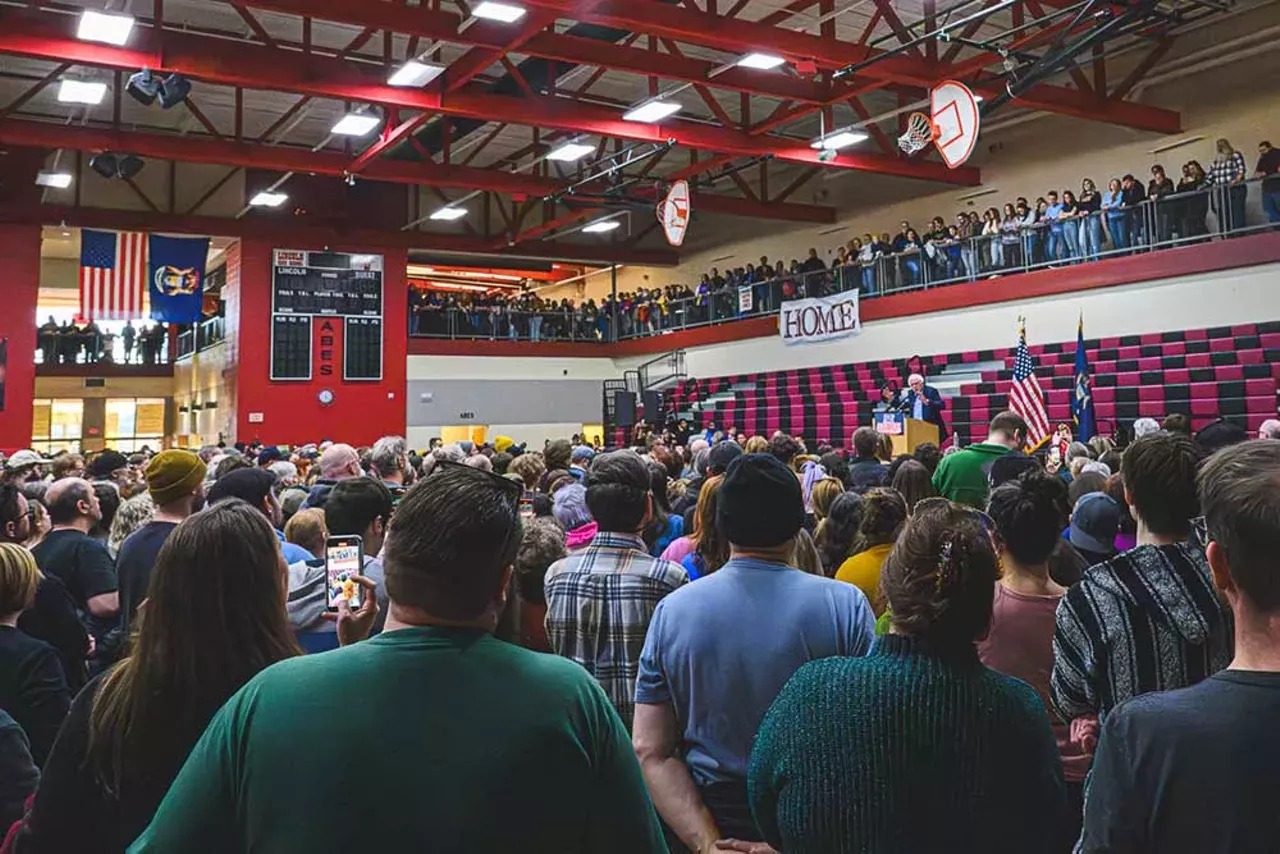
905	433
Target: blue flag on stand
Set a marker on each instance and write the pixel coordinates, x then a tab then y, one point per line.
1082	397
176	280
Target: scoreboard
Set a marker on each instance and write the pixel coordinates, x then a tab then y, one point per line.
308	286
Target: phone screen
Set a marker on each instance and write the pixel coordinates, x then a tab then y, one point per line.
343	562
526	509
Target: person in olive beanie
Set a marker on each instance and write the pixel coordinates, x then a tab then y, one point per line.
175	482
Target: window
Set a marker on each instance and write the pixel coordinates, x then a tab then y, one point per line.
56	425
134	422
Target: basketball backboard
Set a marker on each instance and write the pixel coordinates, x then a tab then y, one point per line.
956	119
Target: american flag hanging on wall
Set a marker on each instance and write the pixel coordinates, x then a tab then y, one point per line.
113	275
1025	396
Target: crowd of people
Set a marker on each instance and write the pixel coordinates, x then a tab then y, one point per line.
85	343
700	642
1059	228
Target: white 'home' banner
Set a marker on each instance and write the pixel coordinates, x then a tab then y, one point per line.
807	320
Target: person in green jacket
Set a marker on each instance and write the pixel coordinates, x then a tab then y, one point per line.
962	477
432	736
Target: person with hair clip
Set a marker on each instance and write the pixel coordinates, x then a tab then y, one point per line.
1029	513
883	513
917	746
214	617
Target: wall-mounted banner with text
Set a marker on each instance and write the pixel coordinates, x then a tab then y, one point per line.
805	321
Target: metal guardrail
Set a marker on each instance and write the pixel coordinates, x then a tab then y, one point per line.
201	336
1177	219
81	347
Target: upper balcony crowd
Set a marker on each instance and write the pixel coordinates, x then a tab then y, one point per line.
1057	229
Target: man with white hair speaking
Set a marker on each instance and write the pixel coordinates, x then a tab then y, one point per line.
923	403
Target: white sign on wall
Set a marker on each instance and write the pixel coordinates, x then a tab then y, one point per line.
808	320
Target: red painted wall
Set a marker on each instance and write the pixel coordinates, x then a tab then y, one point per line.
291	411
19	290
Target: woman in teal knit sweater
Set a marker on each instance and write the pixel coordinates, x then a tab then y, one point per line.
916	748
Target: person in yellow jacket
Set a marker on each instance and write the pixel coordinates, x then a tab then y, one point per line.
884	512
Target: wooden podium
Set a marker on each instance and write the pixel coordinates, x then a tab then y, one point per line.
906	433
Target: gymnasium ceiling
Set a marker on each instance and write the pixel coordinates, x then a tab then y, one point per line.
270	78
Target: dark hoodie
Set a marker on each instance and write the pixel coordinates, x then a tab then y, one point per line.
1149	619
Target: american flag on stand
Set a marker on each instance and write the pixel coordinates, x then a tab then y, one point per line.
113	275
1025	396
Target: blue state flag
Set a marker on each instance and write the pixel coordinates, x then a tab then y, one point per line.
1082	397
176	280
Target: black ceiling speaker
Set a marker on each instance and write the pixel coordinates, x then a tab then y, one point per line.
144	87
174	89
111	166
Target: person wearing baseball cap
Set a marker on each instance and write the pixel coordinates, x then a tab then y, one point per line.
24	466
705	684
110	465
175	482
1094	525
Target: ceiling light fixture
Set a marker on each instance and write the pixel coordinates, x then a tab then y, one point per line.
652	111
55	180
414	73
449	214
761	61
356	124
81	92
570	152
504	13
269	199
839	140
602	227
104	27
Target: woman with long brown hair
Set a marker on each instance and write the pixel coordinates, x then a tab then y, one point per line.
213	618
710	548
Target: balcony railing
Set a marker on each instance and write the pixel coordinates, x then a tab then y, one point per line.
201	336
81	347
1178	219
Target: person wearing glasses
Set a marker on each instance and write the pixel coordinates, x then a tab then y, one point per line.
917	746
438	720
1187	770
1148	619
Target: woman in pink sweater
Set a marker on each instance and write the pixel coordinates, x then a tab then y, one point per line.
1028	515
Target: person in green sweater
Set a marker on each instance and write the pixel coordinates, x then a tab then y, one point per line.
963	476
432	736
916	747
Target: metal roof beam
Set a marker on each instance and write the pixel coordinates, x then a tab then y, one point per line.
190	148
252	66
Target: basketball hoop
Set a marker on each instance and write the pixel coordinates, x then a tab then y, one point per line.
952	124
673	213
920	132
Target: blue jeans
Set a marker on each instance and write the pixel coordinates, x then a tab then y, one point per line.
911	270
1118	224
1271	205
868	281
1091	236
535	326
1054	250
1071	237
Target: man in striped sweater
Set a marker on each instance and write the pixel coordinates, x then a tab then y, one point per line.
1148	619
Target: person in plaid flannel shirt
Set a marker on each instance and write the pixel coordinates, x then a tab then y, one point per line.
600	600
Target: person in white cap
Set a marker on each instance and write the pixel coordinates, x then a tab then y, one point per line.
23	467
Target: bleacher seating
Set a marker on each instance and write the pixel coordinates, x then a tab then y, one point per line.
1228	372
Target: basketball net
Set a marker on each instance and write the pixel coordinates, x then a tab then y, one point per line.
920	132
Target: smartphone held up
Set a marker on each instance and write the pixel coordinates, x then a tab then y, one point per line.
343	564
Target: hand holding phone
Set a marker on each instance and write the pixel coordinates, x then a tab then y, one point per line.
343	563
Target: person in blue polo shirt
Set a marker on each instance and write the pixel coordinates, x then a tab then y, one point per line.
1053	216
719	650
